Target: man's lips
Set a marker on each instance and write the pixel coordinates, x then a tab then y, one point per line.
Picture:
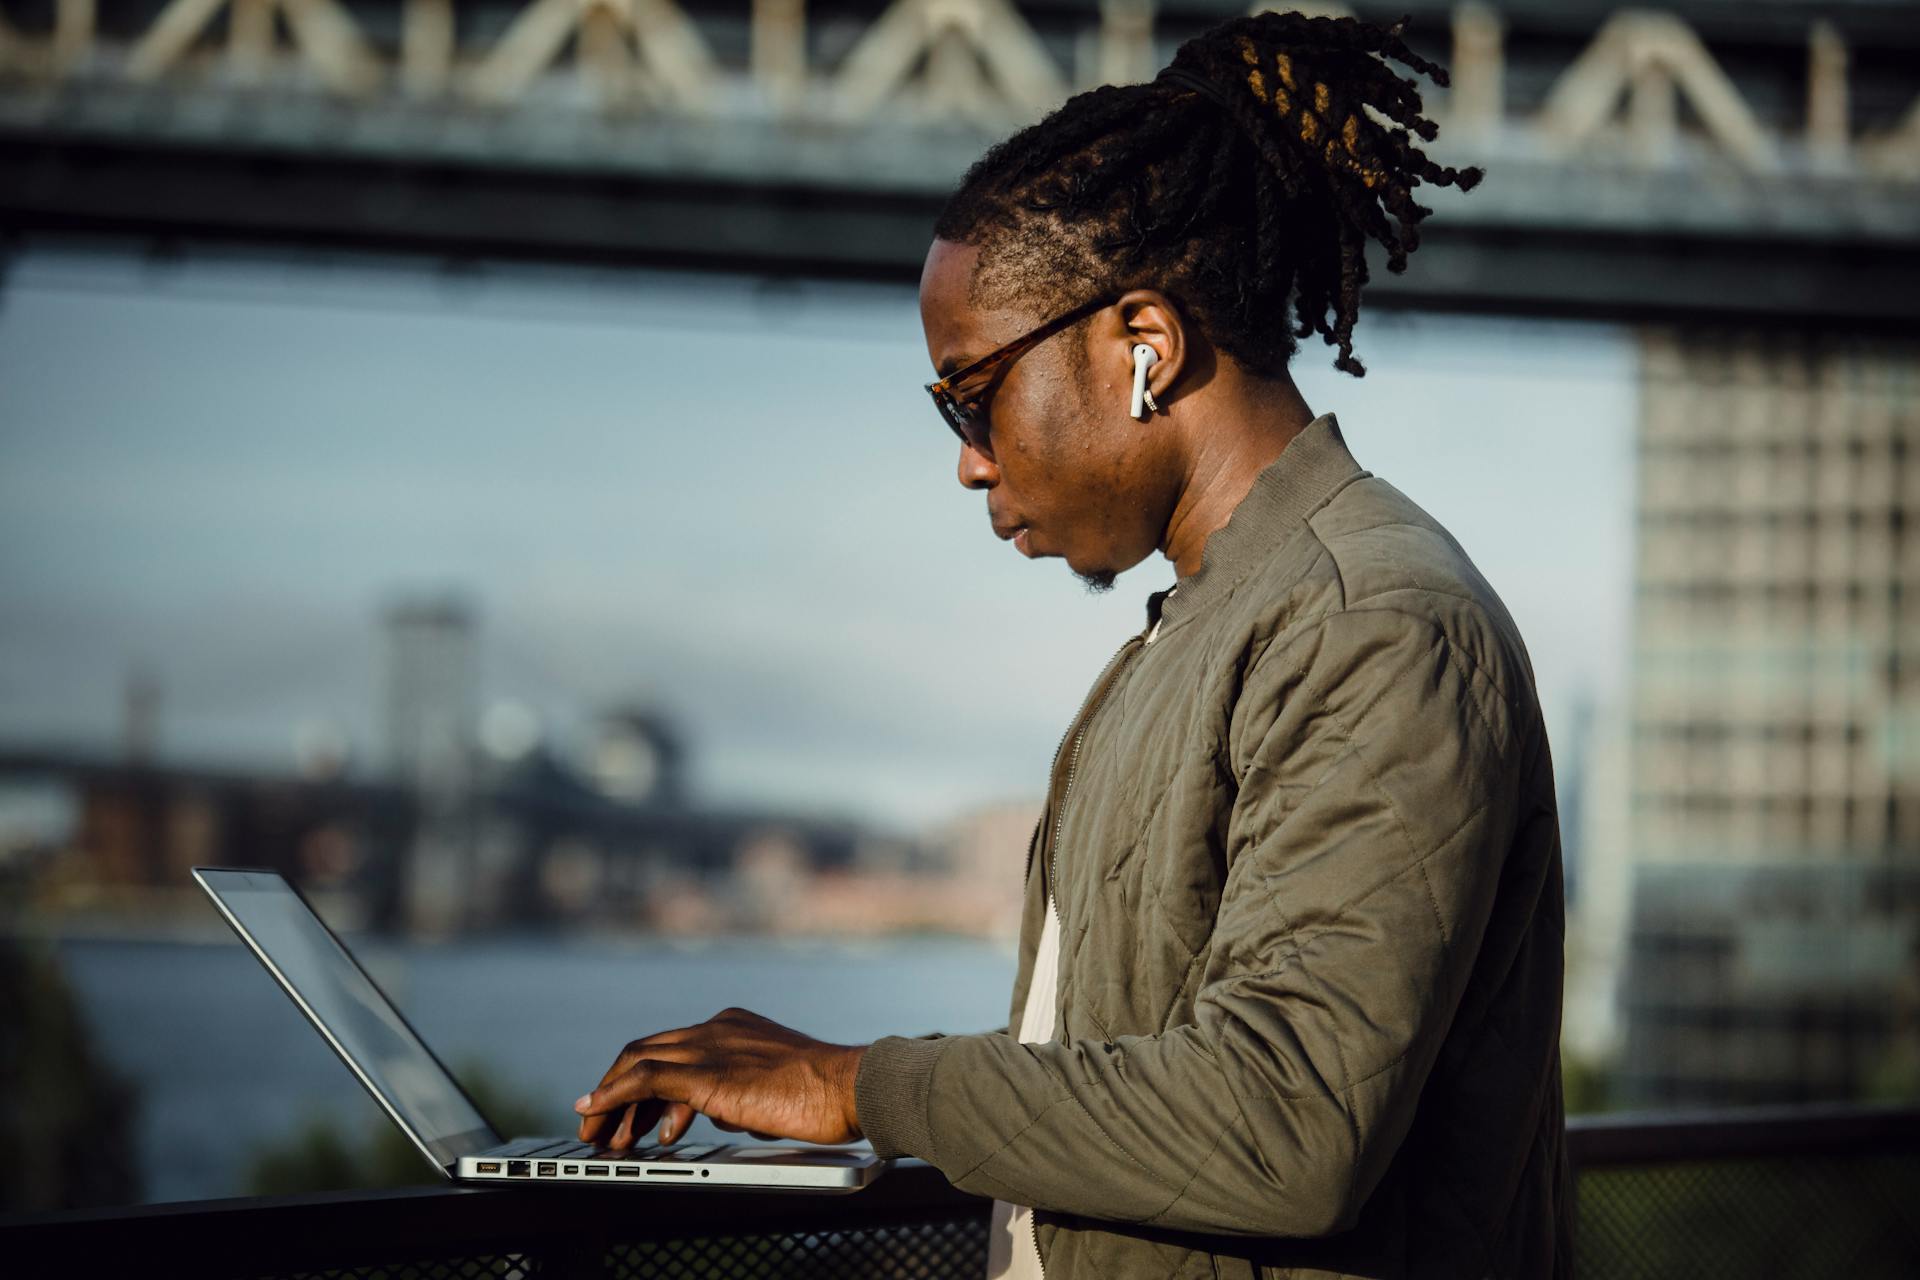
1019	535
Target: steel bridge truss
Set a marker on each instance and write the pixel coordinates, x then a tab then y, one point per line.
1758	162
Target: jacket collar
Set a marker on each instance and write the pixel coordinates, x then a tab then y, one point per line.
1311	469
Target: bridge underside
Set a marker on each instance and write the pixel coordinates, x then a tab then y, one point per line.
1541	239
1753	164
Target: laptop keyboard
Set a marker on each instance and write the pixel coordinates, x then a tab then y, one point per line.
566	1149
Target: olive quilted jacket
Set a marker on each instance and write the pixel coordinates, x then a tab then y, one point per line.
1307	862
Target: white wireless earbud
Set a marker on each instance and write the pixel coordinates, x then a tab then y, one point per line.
1143	358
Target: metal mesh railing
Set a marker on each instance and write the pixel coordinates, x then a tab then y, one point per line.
1786	1219
1784	1195
505	1266
1805	1218
908	1251
929	1250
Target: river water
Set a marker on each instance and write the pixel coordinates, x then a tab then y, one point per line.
224	1062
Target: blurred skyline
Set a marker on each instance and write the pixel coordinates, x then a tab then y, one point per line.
724	495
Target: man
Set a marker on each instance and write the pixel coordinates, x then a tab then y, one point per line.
1288	999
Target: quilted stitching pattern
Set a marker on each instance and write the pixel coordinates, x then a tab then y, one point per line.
1313	870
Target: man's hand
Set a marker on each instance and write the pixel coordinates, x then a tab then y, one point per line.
740	1071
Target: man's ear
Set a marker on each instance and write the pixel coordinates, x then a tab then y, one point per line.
1146	316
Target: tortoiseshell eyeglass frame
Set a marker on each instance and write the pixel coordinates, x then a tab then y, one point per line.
960	394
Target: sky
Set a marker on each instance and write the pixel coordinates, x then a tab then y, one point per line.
726	497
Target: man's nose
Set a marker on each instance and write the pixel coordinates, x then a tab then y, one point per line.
977	470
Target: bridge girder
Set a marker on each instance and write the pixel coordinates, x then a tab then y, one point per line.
1639	163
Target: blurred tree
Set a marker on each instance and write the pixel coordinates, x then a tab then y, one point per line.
1584	1085
67	1120
321	1157
1896	1076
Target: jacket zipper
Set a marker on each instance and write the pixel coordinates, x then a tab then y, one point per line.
1114	667
1073	730
1051	872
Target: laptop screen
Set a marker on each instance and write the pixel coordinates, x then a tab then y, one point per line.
339	998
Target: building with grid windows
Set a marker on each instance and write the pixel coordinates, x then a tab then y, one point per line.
1772	922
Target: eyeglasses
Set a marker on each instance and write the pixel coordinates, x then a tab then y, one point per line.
961	395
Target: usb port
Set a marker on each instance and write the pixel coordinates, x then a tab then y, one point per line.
489	1166
596	1171
548	1168
628	1171
519	1168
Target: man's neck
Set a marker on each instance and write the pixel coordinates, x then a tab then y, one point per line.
1232	440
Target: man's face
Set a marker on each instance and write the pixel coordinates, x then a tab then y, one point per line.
1071	472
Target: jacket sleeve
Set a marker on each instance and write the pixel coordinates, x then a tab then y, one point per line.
942	1035
1377	777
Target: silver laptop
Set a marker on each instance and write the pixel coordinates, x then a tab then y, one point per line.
420	1096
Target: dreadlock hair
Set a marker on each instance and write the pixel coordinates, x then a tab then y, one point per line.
1230	205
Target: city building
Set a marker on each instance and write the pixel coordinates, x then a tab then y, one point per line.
1772	950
